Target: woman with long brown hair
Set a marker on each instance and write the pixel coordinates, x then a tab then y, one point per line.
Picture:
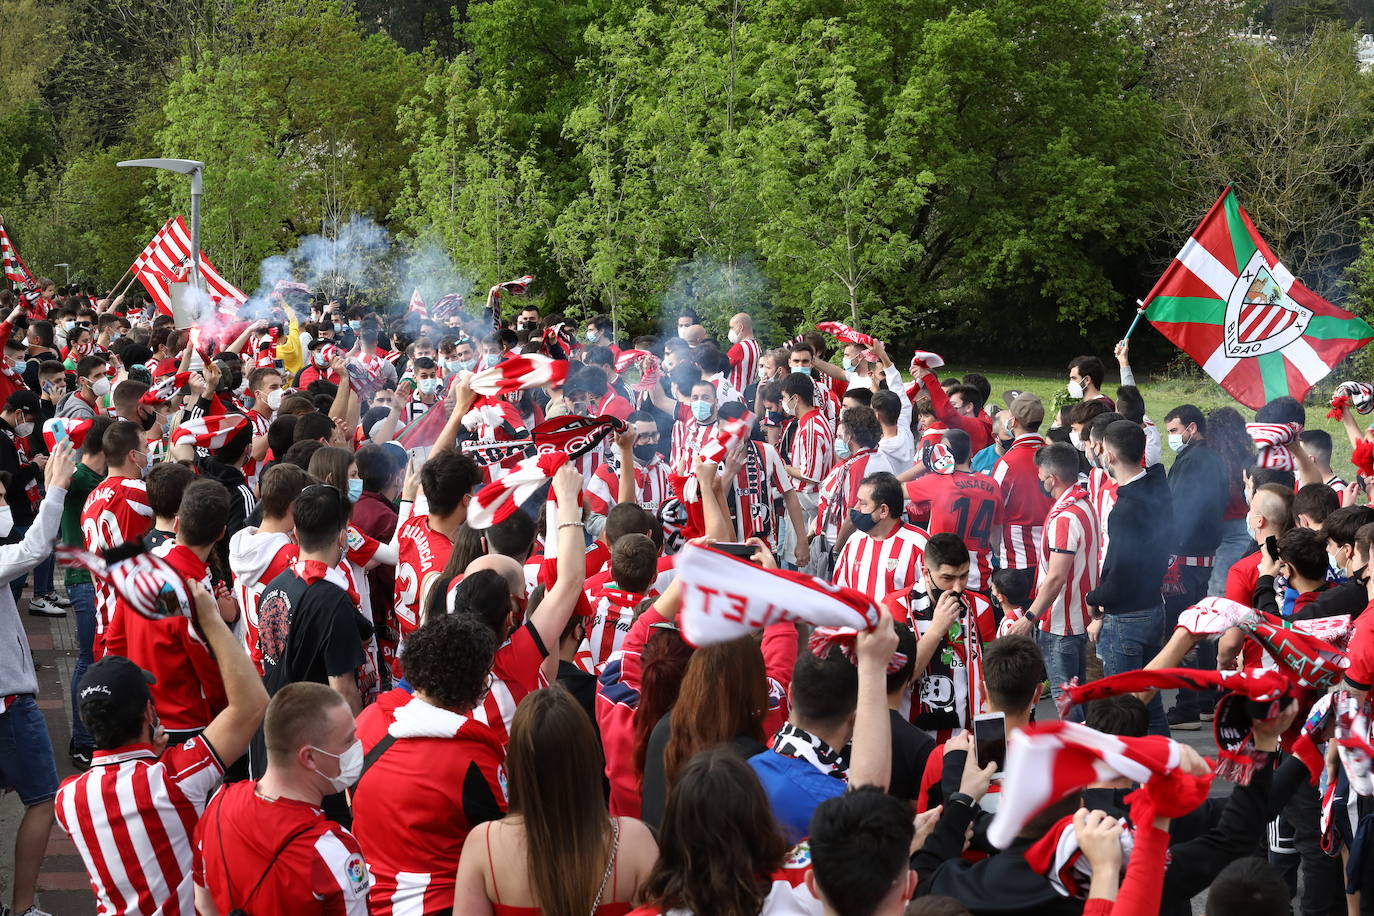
557	852
706	716
1226	434
719	846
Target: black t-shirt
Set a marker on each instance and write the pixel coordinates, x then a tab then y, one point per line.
308	632
911	749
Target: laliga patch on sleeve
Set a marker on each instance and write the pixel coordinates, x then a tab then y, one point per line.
355	869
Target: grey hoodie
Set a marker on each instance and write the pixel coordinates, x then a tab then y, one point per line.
16	662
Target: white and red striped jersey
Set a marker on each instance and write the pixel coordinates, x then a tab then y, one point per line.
688	438
1024	504
878	566
744	363
761	482
131	817
828	400
1070	528
115	513
421	558
514	675
253	469
1102	497
813	449
612	615
840	489
652	486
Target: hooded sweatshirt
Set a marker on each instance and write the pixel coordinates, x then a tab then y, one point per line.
256	557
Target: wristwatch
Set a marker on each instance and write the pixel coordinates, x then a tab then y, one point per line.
961	798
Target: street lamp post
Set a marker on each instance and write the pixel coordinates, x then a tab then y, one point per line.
185	167
68	269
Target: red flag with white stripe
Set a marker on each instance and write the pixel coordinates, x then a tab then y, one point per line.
167	258
519	373
210	432
13	265
417	303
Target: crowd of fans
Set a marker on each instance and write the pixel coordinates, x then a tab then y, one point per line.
367	703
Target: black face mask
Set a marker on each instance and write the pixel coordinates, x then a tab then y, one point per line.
530	326
147	420
1005	443
863	521
1046	490
645	453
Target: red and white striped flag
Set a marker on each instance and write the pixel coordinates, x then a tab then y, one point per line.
210	432
14	266
519	373
147	583
504	496
167	259
1048	760
447	306
728	436
514	287
417	303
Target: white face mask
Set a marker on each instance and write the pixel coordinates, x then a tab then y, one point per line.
6	521
1254	535
350	765
764	374
100	387
1176	442
1075	441
274	399
24	430
1075	389
682	332
733	336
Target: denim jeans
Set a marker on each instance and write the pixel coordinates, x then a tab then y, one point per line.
82	596
1066	657
1234	541
26	760
1127	643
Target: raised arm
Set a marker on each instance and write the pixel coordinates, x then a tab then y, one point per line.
625	444
385	430
556	609
871	754
460	393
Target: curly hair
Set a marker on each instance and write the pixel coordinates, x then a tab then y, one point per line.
448	659
1226	434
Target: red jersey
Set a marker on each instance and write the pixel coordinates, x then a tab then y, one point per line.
1070	528
1242	579
813	449
131	816
962	503
1024	504
308	863
744	363
840	489
253	468
421	559
878	566
979	427
1102	497
413	809
1360	674
688	438
116	513
189	691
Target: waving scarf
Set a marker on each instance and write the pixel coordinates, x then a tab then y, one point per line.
519	373
145	582
503	497
1271	440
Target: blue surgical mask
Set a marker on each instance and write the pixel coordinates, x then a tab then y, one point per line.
427	385
355	325
468	365
701	410
591	337
841	449
801	370
848	364
355	489
320	360
454	365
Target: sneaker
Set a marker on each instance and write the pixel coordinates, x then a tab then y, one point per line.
1184	721
1208	715
61	601
40	607
81	756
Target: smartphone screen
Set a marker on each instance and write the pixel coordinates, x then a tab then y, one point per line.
743	551
990	738
1271	547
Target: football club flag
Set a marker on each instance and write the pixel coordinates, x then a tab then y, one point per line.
1228	302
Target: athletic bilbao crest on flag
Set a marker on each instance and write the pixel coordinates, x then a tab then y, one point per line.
1230	304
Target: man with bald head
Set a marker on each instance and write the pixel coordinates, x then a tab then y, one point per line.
744	352
1270	515
695	335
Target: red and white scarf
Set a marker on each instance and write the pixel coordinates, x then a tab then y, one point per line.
1048	760
1351	394
210	432
724	597
846	334
1271	440
503	497
519	373
72	430
145	582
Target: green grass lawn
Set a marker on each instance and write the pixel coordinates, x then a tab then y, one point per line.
1163	395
